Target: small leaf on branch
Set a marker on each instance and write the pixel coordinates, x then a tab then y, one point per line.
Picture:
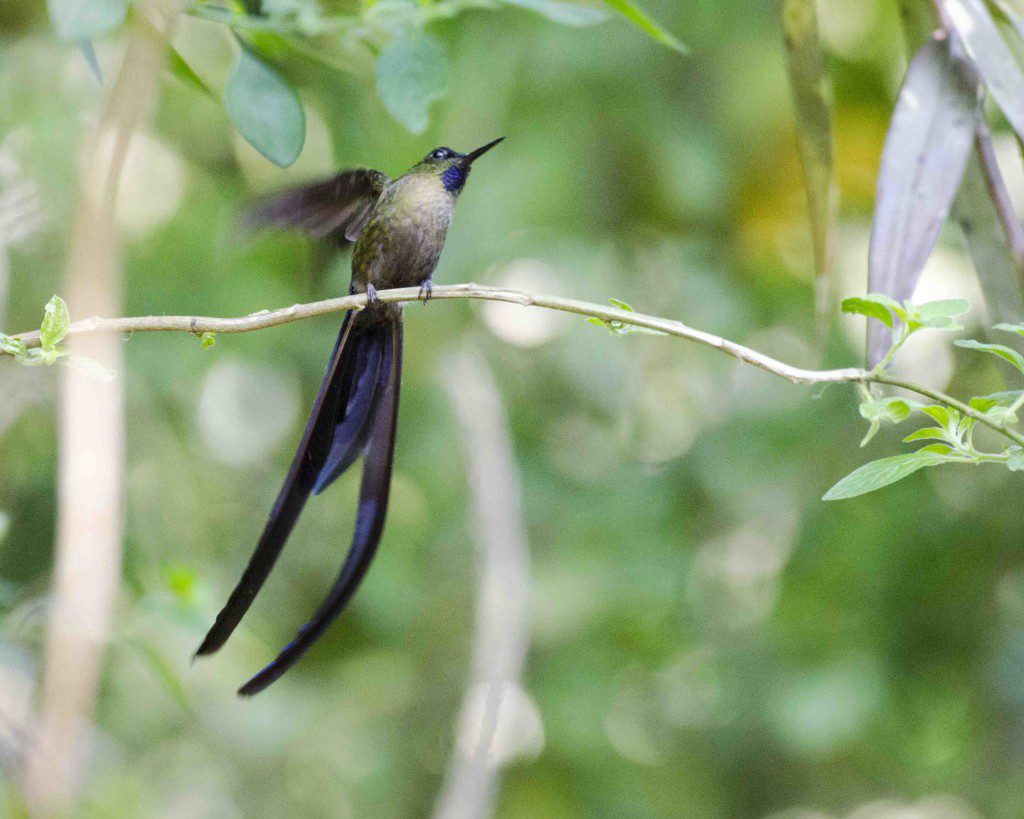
56	321
943	308
874	305
876	474
1015	461
926	433
1005	353
877	410
207	340
620	328
1011	328
13	346
887	409
982	403
940	414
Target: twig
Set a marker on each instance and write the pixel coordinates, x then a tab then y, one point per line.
285	315
272	318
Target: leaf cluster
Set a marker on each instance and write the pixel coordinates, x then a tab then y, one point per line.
411	66
951	429
52	332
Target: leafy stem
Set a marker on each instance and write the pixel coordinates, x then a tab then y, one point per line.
949	401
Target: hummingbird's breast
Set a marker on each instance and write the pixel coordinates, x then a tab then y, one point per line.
401	244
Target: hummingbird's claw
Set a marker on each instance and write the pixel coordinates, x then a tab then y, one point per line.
426	290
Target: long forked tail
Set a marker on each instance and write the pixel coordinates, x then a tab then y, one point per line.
373	505
355	411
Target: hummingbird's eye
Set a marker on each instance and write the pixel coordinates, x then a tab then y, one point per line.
441	153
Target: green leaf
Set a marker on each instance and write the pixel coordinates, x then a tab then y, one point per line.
874	305
641	20
56	321
1002	415
619	328
939	413
982	403
997	406
877	410
1006	397
1015	463
75	20
887	409
12	346
883	472
207	340
873	428
412	72
948	308
1015	358
812	104
567	14
265	109
926	433
1011	328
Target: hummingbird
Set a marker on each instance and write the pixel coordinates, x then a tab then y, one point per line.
399	228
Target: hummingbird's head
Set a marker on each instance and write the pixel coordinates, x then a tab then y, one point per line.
451	166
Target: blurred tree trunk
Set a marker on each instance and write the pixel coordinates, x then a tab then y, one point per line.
501	635
91	443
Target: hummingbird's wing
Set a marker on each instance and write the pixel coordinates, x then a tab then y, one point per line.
373	504
336	208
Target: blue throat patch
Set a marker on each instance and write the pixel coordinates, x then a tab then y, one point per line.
454	178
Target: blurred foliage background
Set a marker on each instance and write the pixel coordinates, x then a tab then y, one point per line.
707	637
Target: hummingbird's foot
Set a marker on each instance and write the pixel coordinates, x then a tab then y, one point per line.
426	290
371	296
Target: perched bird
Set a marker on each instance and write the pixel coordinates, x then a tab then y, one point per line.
399	228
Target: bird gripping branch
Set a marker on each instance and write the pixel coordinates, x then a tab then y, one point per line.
399	228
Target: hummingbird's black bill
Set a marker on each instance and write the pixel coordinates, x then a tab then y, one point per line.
479	152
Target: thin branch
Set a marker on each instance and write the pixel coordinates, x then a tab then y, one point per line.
297	312
272	318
